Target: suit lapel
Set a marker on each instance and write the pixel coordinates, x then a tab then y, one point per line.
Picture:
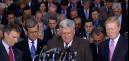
75	45
106	50
3	52
16	55
39	46
27	49
118	49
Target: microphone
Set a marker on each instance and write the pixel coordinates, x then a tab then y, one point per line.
64	54
42	55
54	50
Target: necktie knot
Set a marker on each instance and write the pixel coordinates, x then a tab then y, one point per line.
112	43
32	42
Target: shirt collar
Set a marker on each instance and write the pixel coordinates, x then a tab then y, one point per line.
30	43
69	44
6	46
115	40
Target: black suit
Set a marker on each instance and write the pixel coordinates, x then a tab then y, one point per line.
24	47
81	46
124	25
100	5
82	13
120	52
83	34
48	34
4	55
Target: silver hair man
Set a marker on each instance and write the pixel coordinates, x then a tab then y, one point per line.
67	23
67	30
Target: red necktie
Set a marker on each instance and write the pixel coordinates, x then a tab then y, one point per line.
11	55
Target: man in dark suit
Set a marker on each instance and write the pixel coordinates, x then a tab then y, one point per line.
86	12
87	29
106	10
7	51
52	29
74	4
64	8
117	11
116	47
68	40
97	3
31	46
96	18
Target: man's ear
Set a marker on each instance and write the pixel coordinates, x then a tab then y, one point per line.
5	34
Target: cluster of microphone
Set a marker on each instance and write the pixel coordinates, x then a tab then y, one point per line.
58	54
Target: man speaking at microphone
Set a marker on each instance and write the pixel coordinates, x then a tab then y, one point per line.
68	39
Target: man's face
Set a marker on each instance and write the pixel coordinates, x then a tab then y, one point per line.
112	30
77	23
38	17
86	5
52	8
88	27
42	7
98	37
116	12
67	34
95	15
12	37
109	5
73	14
27	12
33	33
11	18
52	24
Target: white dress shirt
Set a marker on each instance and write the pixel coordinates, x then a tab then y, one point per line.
30	43
87	13
115	40
120	19
69	44
6	46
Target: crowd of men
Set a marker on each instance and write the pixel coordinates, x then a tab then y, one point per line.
96	30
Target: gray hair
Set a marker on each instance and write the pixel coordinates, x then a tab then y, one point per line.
30	23
117	5
67	23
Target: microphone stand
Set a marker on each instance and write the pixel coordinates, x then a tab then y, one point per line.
35	57
62	55
42	55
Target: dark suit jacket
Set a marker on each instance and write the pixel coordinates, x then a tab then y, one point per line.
81	46
94	5
124	25
82	13
24	47
104	13
48	34
120	53
78	7
4	55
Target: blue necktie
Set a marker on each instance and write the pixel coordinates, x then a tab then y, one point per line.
86	14
32	50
